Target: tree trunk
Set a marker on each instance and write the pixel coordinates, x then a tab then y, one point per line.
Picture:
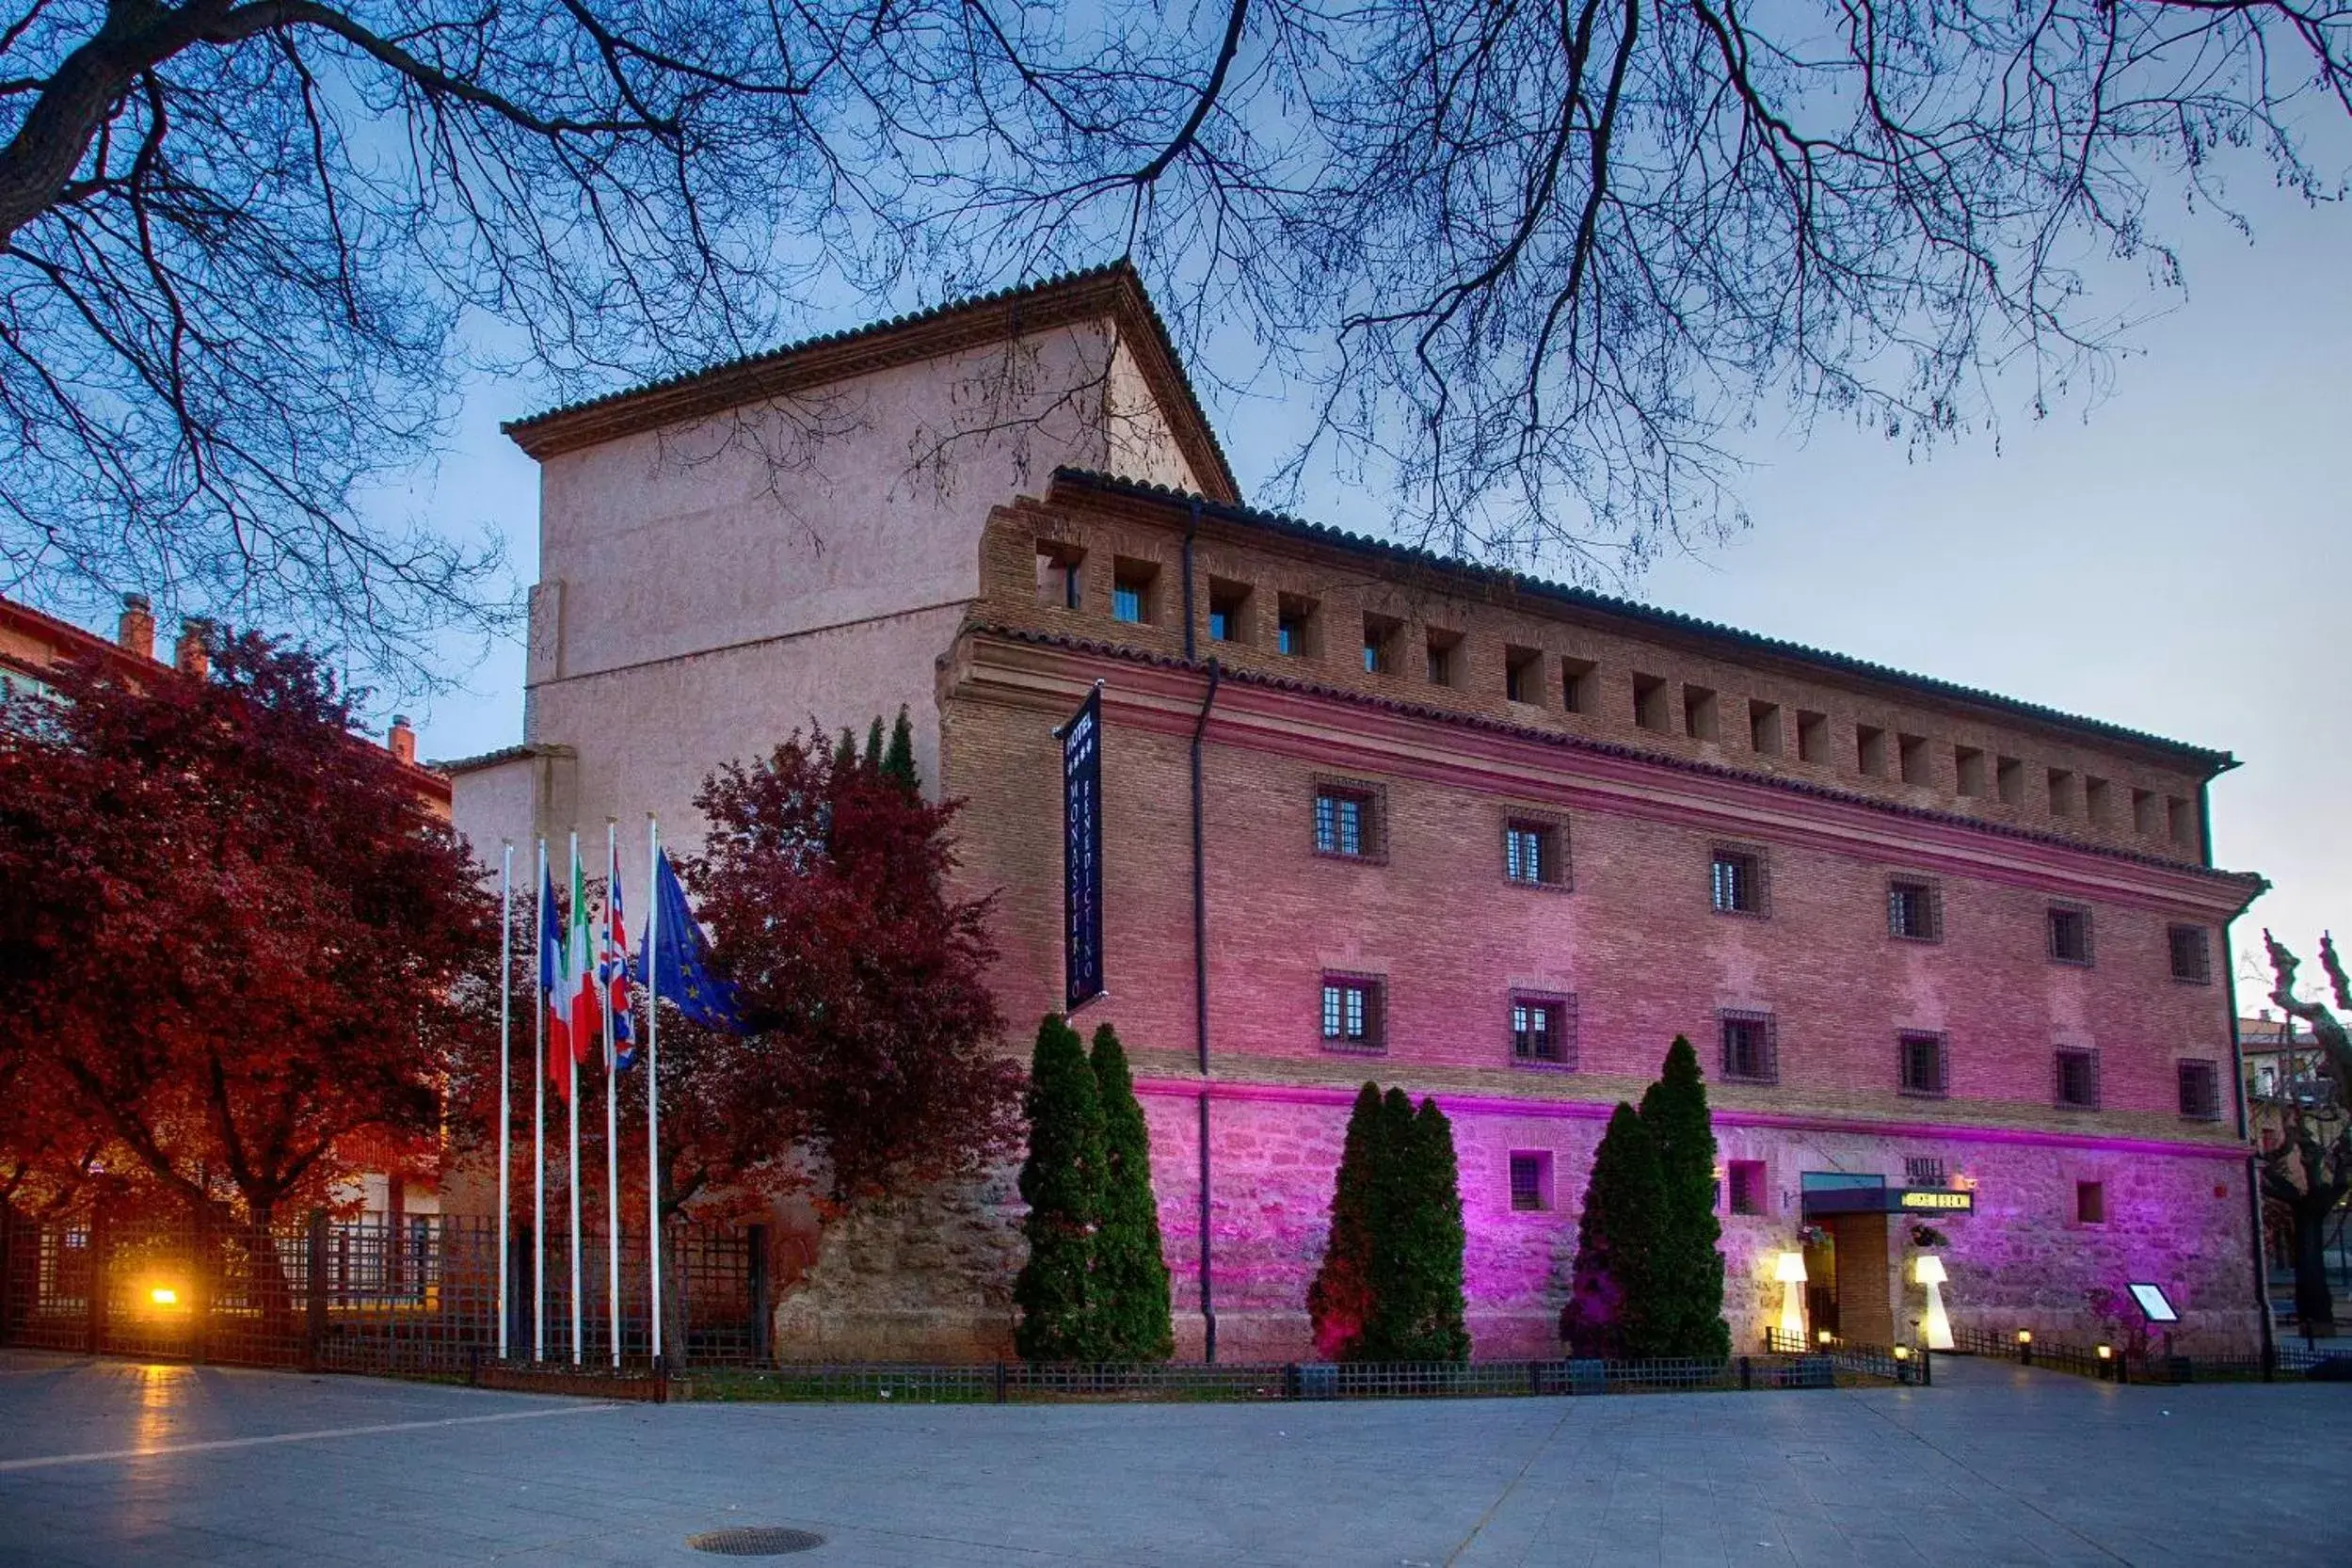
2314	1304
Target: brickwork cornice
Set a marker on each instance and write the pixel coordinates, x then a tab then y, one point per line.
1351	730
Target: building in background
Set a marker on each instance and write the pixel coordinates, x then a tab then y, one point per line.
1950	959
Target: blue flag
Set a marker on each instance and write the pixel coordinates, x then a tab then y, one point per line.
680	958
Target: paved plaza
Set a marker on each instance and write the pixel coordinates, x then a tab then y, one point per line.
107	1462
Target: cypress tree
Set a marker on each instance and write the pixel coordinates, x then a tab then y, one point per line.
899	761
874	745
845	754
1393	1306
1611	1289
1688	1270
1062	1181
1130	1282
1421	1306
1339	1302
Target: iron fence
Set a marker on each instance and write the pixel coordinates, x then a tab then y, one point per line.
403	1294
2130	1364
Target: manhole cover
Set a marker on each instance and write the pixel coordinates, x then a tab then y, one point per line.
755	1540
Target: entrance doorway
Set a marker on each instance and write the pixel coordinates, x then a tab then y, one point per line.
1863	1305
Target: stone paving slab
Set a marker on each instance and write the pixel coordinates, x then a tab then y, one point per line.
105	1464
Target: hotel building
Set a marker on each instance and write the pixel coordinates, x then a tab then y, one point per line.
1948	958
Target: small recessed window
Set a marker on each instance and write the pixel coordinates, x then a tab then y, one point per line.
2147	809
1914	911
1294	626
1813	737
1968	766
1543	1031
1649	702
2098	801
1870	750
1701	713
2090	1203
1131	592
1911	756
1764	728
2200	1090
2065	796
1522	675
1441	656
1379	645
1351	1013
1535	853
2077	1074
1577	679
1229	609
1346	823
2192	959
2009	780
1746	1186
2180	822
1737	879
1750	1047
1530	1180
1058	574
1920	1064
2070	934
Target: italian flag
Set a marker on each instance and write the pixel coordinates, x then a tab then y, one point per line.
580	967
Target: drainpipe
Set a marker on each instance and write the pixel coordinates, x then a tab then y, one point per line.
2237	1088
1200	935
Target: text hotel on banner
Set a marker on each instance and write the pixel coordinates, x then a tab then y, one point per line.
1081	852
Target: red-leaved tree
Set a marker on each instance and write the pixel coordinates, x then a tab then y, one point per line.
238	952
869	1064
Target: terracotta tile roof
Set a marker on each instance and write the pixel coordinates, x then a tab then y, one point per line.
712	389
2250	883
1644	614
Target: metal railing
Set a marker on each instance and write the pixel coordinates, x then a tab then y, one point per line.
2129	1364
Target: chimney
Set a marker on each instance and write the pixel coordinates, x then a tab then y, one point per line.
402	740
190	655
135	631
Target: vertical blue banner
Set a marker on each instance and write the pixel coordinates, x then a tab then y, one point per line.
1081	852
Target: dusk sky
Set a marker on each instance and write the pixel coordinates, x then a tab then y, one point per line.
2173	559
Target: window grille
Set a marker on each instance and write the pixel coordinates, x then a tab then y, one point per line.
1746	1186
1750	1047
1543	1030
1347	822
1351	1013
2200	1090
2077	1079
1922	1065
1737	880
1533	853
1915	911
2070	934
1530	1181
2191	958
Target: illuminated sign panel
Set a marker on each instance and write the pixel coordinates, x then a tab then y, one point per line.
1938	1198
1824	1201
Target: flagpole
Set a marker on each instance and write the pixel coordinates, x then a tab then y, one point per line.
571	1066
538	1118
612	1088
653	1073
506	1067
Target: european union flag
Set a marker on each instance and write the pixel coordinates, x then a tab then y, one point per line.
679	957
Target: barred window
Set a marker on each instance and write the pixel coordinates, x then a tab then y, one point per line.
1347	822
1921	1065
2070	934
2200	1090
1534	853
1915	911
1746	1186
1738	882
2090	1203
2191	959
1530	1180
1543	1030
2077	1079
1351	1013
1750	1047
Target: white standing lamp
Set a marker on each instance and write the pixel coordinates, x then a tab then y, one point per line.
1790	1272
1929	1271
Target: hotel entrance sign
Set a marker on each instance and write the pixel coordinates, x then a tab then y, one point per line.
1825	1201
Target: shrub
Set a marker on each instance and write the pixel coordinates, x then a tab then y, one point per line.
1131	1272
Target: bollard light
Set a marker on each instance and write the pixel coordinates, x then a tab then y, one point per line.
2024	1336
2106	1352
1902	1353
1823	1337
164	1295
